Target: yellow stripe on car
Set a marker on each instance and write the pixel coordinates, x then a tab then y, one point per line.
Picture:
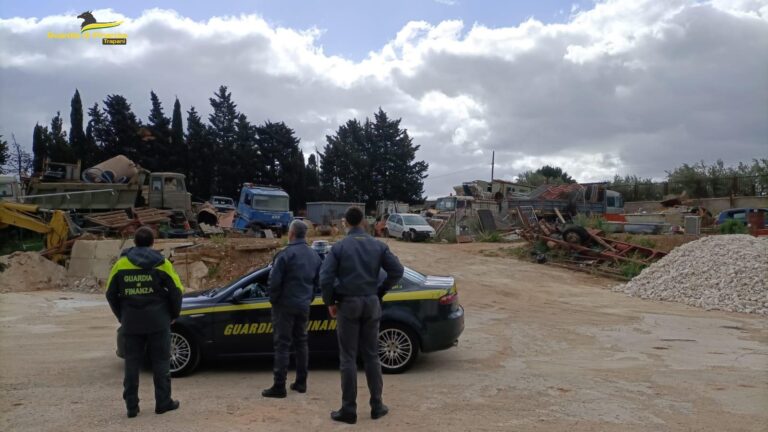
392	296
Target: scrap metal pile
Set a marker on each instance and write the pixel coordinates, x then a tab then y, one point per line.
582	248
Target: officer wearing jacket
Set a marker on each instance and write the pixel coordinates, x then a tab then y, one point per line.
144	293
355	302
292	284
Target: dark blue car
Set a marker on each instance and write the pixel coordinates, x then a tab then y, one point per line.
420	314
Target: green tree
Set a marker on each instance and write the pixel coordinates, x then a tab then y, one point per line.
391	155
223	131
691	179
158	154
40	147
201	146
343	164
281	161
312	179
531	178
5	155
19	161
77	139
178	145
122	131
247	163
545	175
370	161
96	134
634	188
59	149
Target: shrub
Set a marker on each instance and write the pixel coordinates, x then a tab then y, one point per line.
631	269
646	242
493	237
733	227
595	222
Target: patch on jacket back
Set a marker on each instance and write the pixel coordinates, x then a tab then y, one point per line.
139	291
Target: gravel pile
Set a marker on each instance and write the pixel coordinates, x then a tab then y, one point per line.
726	272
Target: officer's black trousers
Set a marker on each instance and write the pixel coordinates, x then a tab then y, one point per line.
357	327
158	346
289	326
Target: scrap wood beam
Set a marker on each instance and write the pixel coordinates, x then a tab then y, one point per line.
608	256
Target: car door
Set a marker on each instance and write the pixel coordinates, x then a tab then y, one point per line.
245	326
390	225
321	328
394	227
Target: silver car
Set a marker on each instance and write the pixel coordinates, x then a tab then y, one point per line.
409	227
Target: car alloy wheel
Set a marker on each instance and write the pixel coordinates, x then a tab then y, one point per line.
181	352
398	349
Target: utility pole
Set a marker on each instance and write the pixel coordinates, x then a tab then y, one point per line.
493	163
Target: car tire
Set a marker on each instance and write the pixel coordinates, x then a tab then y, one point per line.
575	234
185	353
407	236
398	348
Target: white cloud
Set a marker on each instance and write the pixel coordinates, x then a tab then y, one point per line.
625	87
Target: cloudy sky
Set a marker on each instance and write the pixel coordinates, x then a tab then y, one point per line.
599	88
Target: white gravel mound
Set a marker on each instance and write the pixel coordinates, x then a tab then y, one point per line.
724	272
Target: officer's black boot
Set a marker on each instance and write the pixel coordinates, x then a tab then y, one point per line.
379	411
276	391
133	412
300	387
341	416
172	405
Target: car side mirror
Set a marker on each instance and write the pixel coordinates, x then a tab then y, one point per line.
239	295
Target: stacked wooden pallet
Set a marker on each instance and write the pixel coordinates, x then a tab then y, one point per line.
120	219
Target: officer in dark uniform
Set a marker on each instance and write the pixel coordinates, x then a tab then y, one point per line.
355	302
144	293
292	284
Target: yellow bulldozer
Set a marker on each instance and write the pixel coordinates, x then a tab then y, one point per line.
55	225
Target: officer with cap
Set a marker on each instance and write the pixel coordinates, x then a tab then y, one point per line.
355	302
292	284
144	293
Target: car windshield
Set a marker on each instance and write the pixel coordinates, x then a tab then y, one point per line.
414	220
414	276
411	279
272	203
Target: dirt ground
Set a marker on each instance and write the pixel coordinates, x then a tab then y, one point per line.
544	349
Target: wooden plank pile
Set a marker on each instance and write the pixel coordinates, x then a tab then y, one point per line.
119	219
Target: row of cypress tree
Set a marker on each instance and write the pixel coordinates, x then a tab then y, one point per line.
363	161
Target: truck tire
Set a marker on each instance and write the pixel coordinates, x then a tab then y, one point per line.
575	234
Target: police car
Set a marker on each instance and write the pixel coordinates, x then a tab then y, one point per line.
420	314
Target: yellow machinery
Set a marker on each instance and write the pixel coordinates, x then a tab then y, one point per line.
56	228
